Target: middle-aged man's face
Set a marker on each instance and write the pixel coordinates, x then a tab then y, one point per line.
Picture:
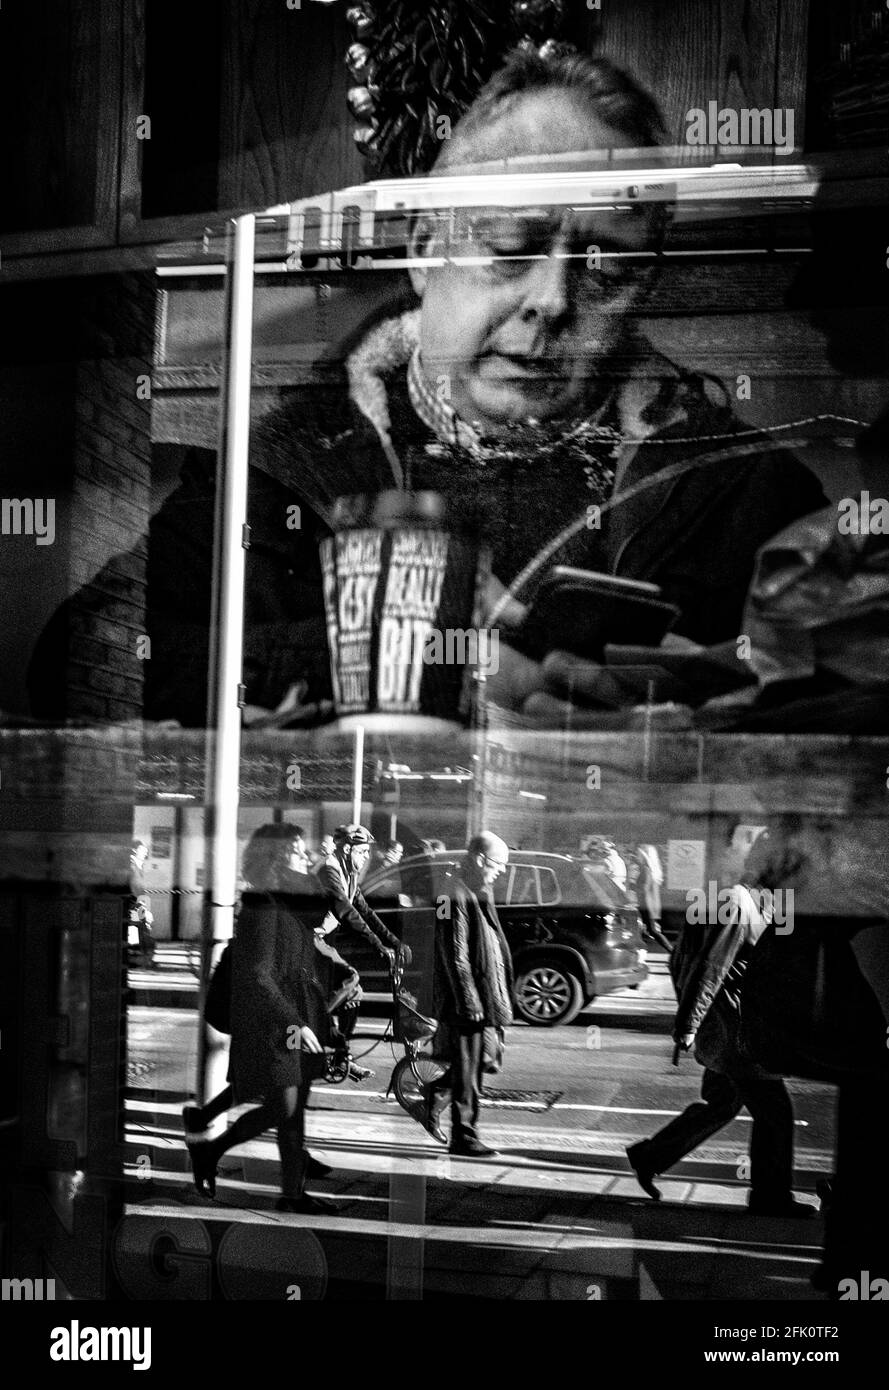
528	306
487	866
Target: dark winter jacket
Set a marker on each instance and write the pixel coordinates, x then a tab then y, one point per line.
279	984
695	533
710	991
462	979
346	902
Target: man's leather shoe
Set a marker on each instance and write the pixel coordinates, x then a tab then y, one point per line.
307	1205
643	1170
472	1148
788	1207
357	1073
316	1169
430	1123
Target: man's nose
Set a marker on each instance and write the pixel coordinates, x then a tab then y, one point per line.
546	294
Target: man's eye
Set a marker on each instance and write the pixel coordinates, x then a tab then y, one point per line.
508	263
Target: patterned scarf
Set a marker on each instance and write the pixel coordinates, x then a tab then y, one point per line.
497	1003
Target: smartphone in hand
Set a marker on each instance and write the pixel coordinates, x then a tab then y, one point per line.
580	611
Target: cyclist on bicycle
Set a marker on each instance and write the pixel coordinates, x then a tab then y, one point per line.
347	906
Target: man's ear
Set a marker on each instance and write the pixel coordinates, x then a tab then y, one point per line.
422	246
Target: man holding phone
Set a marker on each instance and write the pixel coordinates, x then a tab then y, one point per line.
522	389
641	467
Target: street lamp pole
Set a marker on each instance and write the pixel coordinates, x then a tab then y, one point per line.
225	697
358	775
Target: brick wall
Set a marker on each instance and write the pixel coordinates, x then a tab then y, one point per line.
67	796
110	505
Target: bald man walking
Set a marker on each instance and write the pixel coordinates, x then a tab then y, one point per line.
472	989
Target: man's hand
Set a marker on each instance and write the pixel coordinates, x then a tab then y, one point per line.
568	681
686	1041
552	689
355	981
405	955
307	1040
475	1017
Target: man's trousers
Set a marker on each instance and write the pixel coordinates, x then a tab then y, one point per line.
462	1082
722	1097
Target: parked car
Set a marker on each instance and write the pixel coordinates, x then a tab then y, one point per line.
571	935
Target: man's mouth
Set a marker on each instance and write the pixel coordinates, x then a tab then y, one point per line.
506	366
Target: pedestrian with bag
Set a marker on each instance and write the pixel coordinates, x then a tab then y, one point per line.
280	1024
709	986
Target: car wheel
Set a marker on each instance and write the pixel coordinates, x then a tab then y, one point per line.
546	993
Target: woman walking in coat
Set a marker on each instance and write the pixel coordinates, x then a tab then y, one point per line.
279	1022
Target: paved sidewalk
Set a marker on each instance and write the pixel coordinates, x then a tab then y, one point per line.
556	1216
531	1224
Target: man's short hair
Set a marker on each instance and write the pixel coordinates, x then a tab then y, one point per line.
610	95
484	842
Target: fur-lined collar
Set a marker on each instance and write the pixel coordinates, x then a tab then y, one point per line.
648	401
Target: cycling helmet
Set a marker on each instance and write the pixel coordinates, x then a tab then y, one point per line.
352	835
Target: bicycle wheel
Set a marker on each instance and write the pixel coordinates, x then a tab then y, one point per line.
408	1086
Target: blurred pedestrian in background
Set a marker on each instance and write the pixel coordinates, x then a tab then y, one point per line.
140	918
648	892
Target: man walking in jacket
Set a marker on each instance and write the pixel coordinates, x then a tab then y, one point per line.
708	1020
472	991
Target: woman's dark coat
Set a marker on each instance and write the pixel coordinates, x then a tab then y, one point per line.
278	986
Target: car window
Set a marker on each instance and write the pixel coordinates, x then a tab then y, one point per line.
603	891
524	890
415	879
549	887
444	876
384	882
